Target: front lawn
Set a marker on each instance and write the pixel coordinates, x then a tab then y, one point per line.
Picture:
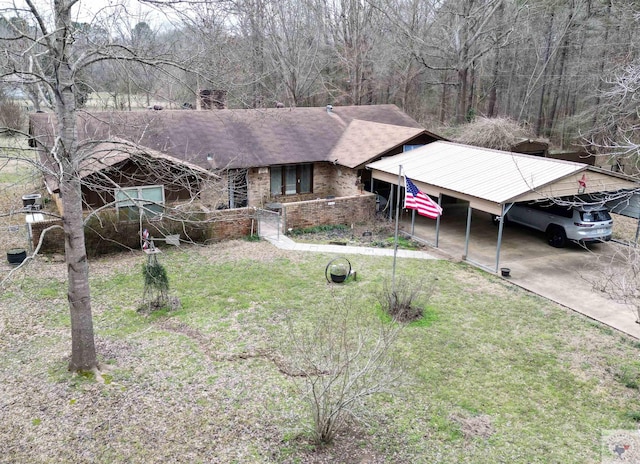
496	374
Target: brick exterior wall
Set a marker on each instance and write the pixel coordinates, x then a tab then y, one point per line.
215	194
259	181
328	181
54	239
346	210
345	182
110	236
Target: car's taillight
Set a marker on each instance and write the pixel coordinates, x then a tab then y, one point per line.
584	224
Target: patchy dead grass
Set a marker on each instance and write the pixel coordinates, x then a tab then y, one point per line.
624	228
498	373
474	426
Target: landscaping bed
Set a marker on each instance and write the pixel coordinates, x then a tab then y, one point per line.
379	234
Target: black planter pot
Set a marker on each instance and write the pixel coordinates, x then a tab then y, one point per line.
16	255
338	270
338	278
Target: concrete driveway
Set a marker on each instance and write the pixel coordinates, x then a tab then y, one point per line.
563	275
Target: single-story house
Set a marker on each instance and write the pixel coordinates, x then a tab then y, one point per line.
263	156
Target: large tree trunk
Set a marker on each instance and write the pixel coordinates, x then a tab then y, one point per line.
443	98
543	90
462	95
557	88
470	108
601	65
83	353
493	92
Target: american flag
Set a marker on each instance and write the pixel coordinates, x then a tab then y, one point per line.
415	199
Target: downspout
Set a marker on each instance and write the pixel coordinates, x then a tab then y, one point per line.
505	210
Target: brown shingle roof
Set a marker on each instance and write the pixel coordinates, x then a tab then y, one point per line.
109	154
247	138
364	140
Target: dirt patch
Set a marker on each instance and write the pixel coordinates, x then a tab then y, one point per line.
350	446
474	426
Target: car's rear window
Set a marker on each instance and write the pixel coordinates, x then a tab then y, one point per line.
595	216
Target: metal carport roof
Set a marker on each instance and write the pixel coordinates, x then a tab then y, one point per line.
491	180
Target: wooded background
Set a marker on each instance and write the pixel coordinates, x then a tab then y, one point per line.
548	64
565	69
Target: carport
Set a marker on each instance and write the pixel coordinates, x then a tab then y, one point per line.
492	181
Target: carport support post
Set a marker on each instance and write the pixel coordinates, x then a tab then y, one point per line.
500	229
438	220
468	233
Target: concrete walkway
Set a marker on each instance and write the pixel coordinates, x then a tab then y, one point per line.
552	281
283	242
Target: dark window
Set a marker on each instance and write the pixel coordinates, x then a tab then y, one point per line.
293	179
595	216
553	208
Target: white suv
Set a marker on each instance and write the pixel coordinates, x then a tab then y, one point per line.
562	223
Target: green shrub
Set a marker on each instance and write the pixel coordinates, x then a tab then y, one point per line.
156	286
319	229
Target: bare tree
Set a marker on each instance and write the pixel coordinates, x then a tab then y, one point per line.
296	54
617	137
617	134
54	61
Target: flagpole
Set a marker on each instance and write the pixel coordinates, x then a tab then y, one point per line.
395	241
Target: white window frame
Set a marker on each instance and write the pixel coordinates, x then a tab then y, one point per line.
134	199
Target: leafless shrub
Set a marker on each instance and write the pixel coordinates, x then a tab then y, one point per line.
618	275
12	117
405	301
340	358
496	133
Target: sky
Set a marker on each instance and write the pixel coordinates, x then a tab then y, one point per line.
86	10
